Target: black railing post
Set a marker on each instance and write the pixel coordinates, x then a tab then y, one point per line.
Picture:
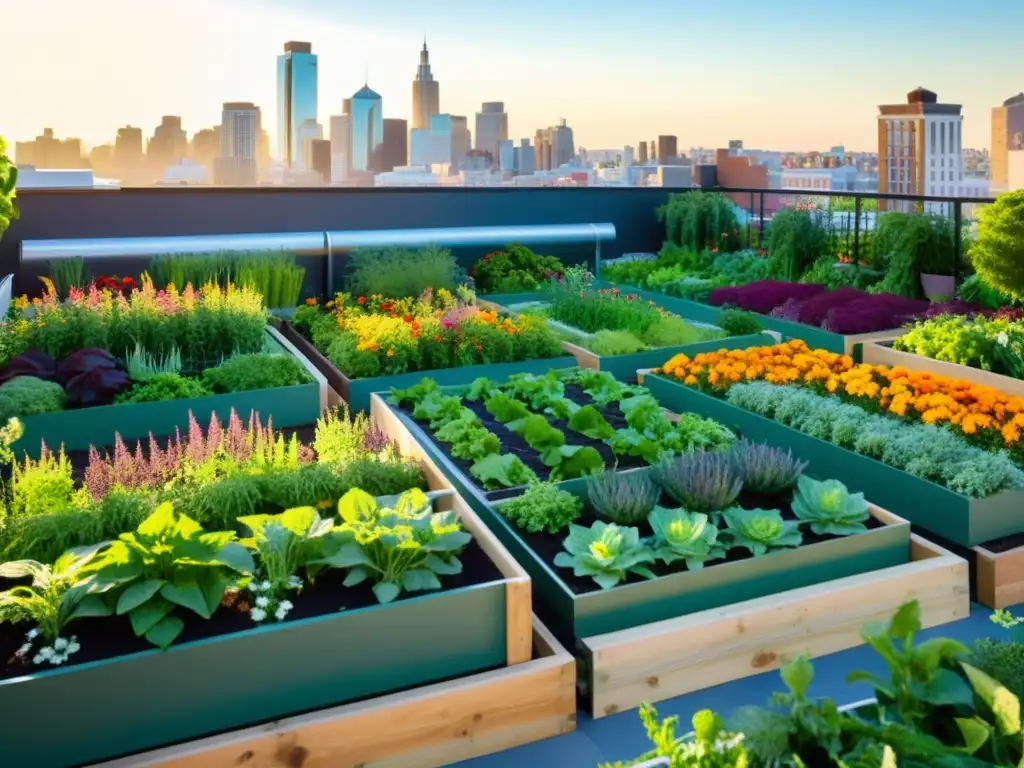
958	223
751	215
856	229
760	223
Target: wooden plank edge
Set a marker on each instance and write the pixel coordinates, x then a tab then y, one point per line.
677	656
518	588
1000	576
313	371
584	357
427	727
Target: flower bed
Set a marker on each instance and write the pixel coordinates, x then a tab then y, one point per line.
246	560
368	344
608	589
929	474
107	362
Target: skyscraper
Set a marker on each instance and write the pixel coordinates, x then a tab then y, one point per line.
1007	136
241	124
367	130
426	97
296	99
168	145
341	144
668	150
395	152
491	128
642	153
920	148
554	146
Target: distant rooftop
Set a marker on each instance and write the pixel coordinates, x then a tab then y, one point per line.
293	46
1013	100
366	92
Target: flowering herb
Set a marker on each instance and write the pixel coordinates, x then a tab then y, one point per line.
700	482
625	498
766	468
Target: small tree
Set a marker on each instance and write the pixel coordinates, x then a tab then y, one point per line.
998	253
8	178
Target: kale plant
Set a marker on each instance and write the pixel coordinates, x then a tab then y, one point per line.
606	553
760	530
682	535
830	508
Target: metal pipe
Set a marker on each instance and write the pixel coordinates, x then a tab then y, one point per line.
314	243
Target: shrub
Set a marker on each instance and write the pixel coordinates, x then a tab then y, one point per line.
516	269
796	238
697	219
674	331
243	373
400	273
165	386
998	253
611	343
29	396
738	322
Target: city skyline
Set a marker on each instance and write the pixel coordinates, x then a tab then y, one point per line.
85	96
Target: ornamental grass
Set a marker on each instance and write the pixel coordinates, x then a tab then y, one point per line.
986	416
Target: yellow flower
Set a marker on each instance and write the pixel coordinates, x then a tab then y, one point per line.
391	352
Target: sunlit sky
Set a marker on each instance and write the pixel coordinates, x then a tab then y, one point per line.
787	74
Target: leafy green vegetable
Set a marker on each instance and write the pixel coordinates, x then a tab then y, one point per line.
469	438
481	389
760	530
829	507
543	507
576	461
589	421
536	391
682	535
625	498
505	409
606	553
502	471
541	436
438	409
167	563
414	394
287	542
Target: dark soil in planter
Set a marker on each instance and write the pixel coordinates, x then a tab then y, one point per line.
1005	544
112	636
548	545
516	445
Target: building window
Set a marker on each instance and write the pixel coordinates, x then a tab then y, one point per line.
934	140
942	138
933	175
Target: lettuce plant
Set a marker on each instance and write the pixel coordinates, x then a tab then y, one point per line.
468	437
589	421
402	548
701	482
767	469
682	535
505	470
539	392
760	530
830	508
168	563
505	409
625	498
606	553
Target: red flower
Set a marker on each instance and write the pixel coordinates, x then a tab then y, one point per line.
128	280
615	291
478	347
386	306
361	300
714	250
407	318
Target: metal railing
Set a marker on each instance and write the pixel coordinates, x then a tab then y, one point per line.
327	243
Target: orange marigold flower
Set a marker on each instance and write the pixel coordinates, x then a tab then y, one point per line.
311	301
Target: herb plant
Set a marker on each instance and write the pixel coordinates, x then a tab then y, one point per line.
243	373
830	508
165	386
625	498
709	745
738	322
760	530
143	366
766	468
167	563
606	553
543	507
701	482
29	396
682	535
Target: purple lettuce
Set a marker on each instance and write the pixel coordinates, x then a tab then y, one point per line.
85	360
30	363
954	307
764	295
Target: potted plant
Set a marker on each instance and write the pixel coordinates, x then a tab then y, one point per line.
933	238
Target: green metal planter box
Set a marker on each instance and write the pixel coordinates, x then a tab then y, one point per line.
958	519
105	709
356	392
572	617
816	338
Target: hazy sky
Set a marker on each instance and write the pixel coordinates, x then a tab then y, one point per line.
786	74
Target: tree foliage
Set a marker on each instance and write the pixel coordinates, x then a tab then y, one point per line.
998	253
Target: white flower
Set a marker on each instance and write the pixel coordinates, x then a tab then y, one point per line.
58	660
23	651
265	586
32	634
1002	338
38	658
257	614
262	601
280	614
60	644
73	647
286	605
294	582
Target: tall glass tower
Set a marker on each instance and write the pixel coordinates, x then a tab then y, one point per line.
296	99
367	130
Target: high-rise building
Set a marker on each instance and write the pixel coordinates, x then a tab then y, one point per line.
395	152
668	150
241	125
642	153
367	130
49	152
128	156
168	145
491	128
920	149
525	158
1007	136
206	147
296	99
554	146
446	142
507	156
341	144
426	97
318	158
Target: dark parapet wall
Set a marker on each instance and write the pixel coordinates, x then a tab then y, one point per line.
155	211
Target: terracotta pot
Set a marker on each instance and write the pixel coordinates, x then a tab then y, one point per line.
938	286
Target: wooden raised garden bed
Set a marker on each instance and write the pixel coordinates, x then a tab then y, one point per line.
80	428
882	353
958	519
201	686
858	577
356	392
426	727
816	338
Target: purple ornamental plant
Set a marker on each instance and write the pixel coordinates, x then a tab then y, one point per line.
766	468
763	296
701	482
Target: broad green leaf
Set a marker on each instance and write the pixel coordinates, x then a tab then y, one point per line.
90	606
386	591
19	569
975	732
357	505
186	527
355	576
165	633
1004	705
906	622
213	585
944	688
883	686
420	579
138	593
348	556
236	557
412	502
298	520
149	614
448	542
188	595
928	655
443	567
797	675
161	522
